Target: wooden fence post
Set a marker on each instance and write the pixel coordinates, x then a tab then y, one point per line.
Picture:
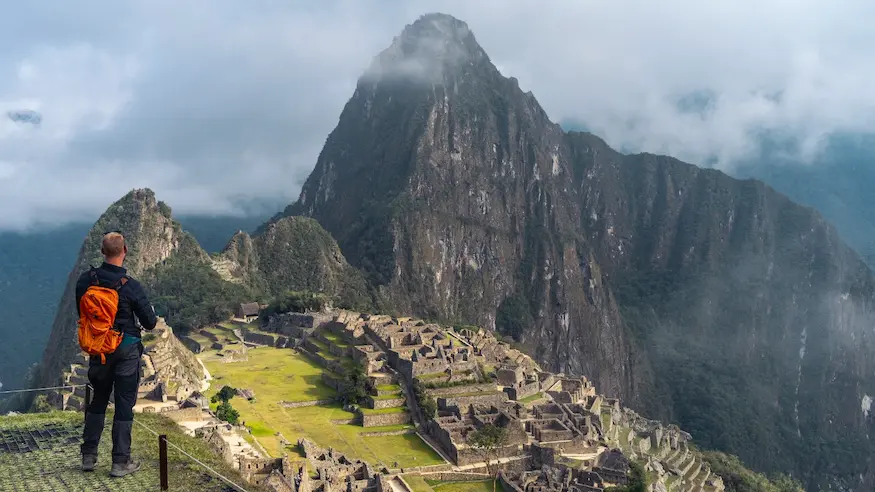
162	461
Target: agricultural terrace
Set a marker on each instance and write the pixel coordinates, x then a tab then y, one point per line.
277	375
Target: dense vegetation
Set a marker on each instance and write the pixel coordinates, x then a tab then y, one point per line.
33	269
638	481
190	294
737	478
426	402
356	385
297	253
295	301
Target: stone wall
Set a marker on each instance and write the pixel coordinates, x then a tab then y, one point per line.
394	402
469	388
333	383
578	445
299	404
456	476
260	338
209	336
467	456
412	369
185	414
463	402
214	440
523	391
381	419
191	344
506	484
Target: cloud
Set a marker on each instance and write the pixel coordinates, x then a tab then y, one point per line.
214	103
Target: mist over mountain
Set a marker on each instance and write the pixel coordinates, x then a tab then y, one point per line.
839	183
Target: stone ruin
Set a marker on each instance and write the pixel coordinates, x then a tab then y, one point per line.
169	372
567	419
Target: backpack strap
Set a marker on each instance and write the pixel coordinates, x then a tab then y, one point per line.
121	283
93	274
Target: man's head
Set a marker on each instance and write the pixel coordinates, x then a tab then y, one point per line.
114	248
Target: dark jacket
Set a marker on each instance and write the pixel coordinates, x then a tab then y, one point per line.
132	300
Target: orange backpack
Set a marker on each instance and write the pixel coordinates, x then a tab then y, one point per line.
97	310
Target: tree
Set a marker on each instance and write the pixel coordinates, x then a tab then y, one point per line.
227	413
356	386
487	440
426	402
224	394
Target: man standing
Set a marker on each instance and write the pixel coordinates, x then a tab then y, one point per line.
121	368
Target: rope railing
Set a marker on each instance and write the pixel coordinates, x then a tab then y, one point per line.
162	439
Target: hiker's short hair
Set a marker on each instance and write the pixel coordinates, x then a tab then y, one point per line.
113	244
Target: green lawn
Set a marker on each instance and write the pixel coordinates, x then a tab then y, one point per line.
389	428
379	411
274	374
434	375
473	393
417	483
388	397
336	339
284	374
479	486
389	387
223	330
606	421
536	396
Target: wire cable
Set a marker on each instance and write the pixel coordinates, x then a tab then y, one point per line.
174	446
43	389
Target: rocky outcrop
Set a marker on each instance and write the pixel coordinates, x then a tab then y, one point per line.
151	236
700	299
172	364
293	253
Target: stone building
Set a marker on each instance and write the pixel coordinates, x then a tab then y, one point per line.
248	311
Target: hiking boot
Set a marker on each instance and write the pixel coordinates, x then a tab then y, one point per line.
89	461
123	469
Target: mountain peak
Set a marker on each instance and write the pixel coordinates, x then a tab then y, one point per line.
434	46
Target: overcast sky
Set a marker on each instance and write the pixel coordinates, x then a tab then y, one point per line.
212	103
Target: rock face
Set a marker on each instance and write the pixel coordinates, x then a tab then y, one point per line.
711	302
151	236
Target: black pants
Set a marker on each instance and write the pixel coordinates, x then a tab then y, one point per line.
120	374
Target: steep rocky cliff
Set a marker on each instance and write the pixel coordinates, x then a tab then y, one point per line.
712	302
152	237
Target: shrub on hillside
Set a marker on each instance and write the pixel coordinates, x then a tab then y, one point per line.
296	301
189	294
